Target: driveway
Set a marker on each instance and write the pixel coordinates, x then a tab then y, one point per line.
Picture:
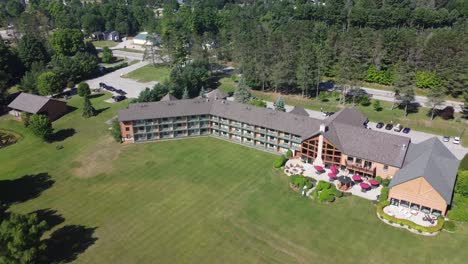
128	55
131	87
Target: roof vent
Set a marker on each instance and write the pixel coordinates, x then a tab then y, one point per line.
404	146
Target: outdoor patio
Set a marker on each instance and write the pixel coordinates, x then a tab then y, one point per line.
296	166
408	214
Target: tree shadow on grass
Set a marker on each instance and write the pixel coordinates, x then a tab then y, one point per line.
66	243
96	95
24	188
63	134
50	216
99	111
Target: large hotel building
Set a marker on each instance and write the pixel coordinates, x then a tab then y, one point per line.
422	174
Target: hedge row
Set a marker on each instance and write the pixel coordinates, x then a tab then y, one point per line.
278	163
408	223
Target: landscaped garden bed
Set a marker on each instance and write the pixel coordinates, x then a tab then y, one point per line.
326	192
300	183
8	138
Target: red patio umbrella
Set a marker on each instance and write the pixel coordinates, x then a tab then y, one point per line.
318	168
334	169
357	178
364	185
374	182
332	175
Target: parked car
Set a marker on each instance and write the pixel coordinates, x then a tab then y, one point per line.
389	126
398	128
456	140
445	138
121	92
379	125
326	114
406	130
118	98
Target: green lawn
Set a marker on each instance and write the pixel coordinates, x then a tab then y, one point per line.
199	200
104	43
150	73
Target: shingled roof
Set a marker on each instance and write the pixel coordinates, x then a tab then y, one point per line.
217	94
30	103
349	116
297	110
431	160
169	97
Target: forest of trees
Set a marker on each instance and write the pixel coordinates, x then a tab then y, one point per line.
287	46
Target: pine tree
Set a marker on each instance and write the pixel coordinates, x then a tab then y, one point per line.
242	93
185	95
279	104
88	109
436	97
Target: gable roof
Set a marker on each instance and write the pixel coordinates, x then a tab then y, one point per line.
169	97
217	94
368	144
349	116
431	160
297	110
30	103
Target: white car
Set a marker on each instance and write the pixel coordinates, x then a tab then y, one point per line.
456	140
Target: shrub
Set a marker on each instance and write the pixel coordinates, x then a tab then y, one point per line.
447	113
25	117
377	106
70	84
41	126
116	67
386	182
323	185
365	101
461	186
450	226
459	208
378	179
289	154
278	163
337	193
115	131
383	194
300	181
326	196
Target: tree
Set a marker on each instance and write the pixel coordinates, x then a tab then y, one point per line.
465	106
107	55
31	49
306	72
14	8
88	109
67	42
185	95
404	91
87	64
193	76
436	97
323	96
28	82
20	238
115	131
49	83
377	106
40	126
202	93
242	93
365	101
279	104
83	89
155	94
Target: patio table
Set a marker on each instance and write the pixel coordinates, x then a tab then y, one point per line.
374	183
364	185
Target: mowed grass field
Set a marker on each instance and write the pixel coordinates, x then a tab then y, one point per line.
149	73
199	200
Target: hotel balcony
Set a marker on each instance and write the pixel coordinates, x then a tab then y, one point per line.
360	168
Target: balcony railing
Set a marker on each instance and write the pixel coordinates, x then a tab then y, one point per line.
358	167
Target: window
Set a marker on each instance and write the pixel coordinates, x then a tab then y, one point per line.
358	161
385	168
127	129
128	136
350	159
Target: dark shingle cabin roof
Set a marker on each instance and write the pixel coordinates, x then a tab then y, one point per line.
169	97
217	94
431	160
349	116
297	110
268	118
30	103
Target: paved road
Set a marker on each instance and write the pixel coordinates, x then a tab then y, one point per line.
416	136
131	87
128	55
420	100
